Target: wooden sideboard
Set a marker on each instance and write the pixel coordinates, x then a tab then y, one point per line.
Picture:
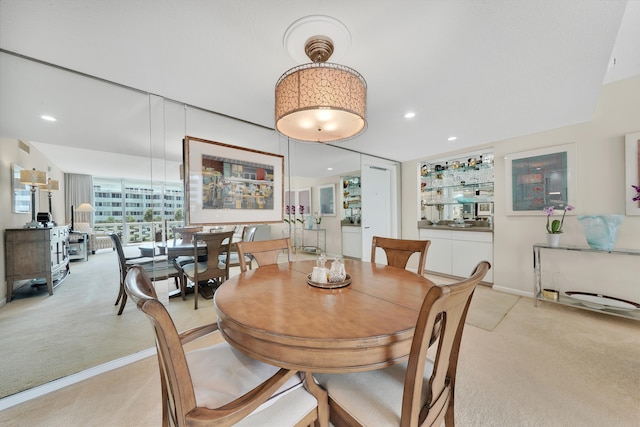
36	253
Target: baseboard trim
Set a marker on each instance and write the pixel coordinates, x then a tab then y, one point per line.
32	393
513	291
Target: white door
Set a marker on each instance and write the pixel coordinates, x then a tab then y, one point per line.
379	208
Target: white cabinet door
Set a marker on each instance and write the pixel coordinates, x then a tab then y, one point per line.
458	252
466	255
352	242
439	253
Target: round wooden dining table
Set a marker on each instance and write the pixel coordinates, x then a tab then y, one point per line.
273	314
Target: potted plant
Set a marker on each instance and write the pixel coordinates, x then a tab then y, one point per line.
554	227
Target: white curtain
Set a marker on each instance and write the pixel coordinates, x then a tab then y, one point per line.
78	189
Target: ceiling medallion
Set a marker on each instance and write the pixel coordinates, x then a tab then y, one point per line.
320	101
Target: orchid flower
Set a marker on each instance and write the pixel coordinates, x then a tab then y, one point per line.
555	226
637	188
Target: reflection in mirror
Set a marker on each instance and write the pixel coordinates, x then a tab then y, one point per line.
21	197
102	130
110	131
313	166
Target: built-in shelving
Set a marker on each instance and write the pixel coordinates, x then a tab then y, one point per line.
457	188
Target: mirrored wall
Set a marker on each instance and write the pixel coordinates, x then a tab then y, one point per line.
104	129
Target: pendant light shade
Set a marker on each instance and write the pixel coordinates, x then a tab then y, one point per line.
320	101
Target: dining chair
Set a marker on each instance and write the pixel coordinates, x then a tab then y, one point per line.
123	265
186	238
264	252
248	234
201	272
399	251
186	234
420	391
217	385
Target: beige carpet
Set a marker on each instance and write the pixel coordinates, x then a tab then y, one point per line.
77	328
47	337
544	366
488	308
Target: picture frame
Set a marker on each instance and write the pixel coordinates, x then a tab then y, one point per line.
327	197
298	202
484	209
226	184
539	178
632	172
21	193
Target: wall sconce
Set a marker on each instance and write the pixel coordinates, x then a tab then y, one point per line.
34	178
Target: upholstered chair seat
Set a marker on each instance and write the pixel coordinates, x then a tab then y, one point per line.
236	374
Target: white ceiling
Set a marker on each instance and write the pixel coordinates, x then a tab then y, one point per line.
483	71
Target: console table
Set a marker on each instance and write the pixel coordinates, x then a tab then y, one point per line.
542	294
35	253
308	243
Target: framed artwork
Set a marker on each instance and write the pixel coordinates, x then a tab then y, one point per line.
540	178
484	209
327	195
632	173
21	192
225	184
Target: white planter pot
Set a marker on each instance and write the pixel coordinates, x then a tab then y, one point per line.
553	240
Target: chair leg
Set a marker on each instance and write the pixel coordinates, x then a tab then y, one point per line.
195	294
121	292
183	286
122	304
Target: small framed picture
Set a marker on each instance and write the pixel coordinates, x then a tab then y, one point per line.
327	200
484	209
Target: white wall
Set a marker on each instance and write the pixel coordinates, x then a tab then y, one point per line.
10	152
601	190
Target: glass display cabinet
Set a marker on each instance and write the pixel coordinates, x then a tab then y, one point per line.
457	189
351	199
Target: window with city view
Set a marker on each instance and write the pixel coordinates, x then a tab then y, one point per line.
136	209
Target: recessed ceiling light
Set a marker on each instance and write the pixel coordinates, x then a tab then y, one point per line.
329	169
48	118
452	138
410	115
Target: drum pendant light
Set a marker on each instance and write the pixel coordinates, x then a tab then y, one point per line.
320	101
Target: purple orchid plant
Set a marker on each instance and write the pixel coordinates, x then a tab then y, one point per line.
637	197
555	226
